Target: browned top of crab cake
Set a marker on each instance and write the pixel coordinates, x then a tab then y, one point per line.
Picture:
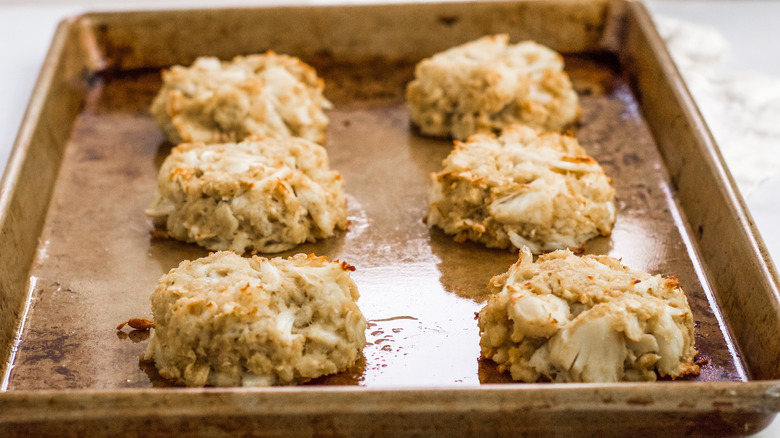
260	195
586	319
217	102
225	320
523	188
487	84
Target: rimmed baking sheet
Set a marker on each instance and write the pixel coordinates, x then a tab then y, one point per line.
95	263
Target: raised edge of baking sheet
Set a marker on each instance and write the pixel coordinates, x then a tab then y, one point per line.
77	257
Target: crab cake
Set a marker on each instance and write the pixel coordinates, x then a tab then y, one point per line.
225	320
260	195
524	188
219	102
487	84
586	319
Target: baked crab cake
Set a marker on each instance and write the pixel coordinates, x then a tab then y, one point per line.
487	84
522	189
225	320
219	102
586	319
260	195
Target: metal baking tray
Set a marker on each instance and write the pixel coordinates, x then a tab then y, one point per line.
77	257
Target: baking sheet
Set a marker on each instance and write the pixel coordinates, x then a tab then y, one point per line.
98	264
95	264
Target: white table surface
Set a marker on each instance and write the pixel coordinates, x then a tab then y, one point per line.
750	27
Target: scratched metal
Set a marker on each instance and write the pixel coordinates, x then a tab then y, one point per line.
419	289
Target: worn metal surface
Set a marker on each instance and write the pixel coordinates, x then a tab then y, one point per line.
96	264
727	239
30	176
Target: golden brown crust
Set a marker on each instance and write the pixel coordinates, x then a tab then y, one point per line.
523	188
486	84
225	320
586	319
261	195
269	95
